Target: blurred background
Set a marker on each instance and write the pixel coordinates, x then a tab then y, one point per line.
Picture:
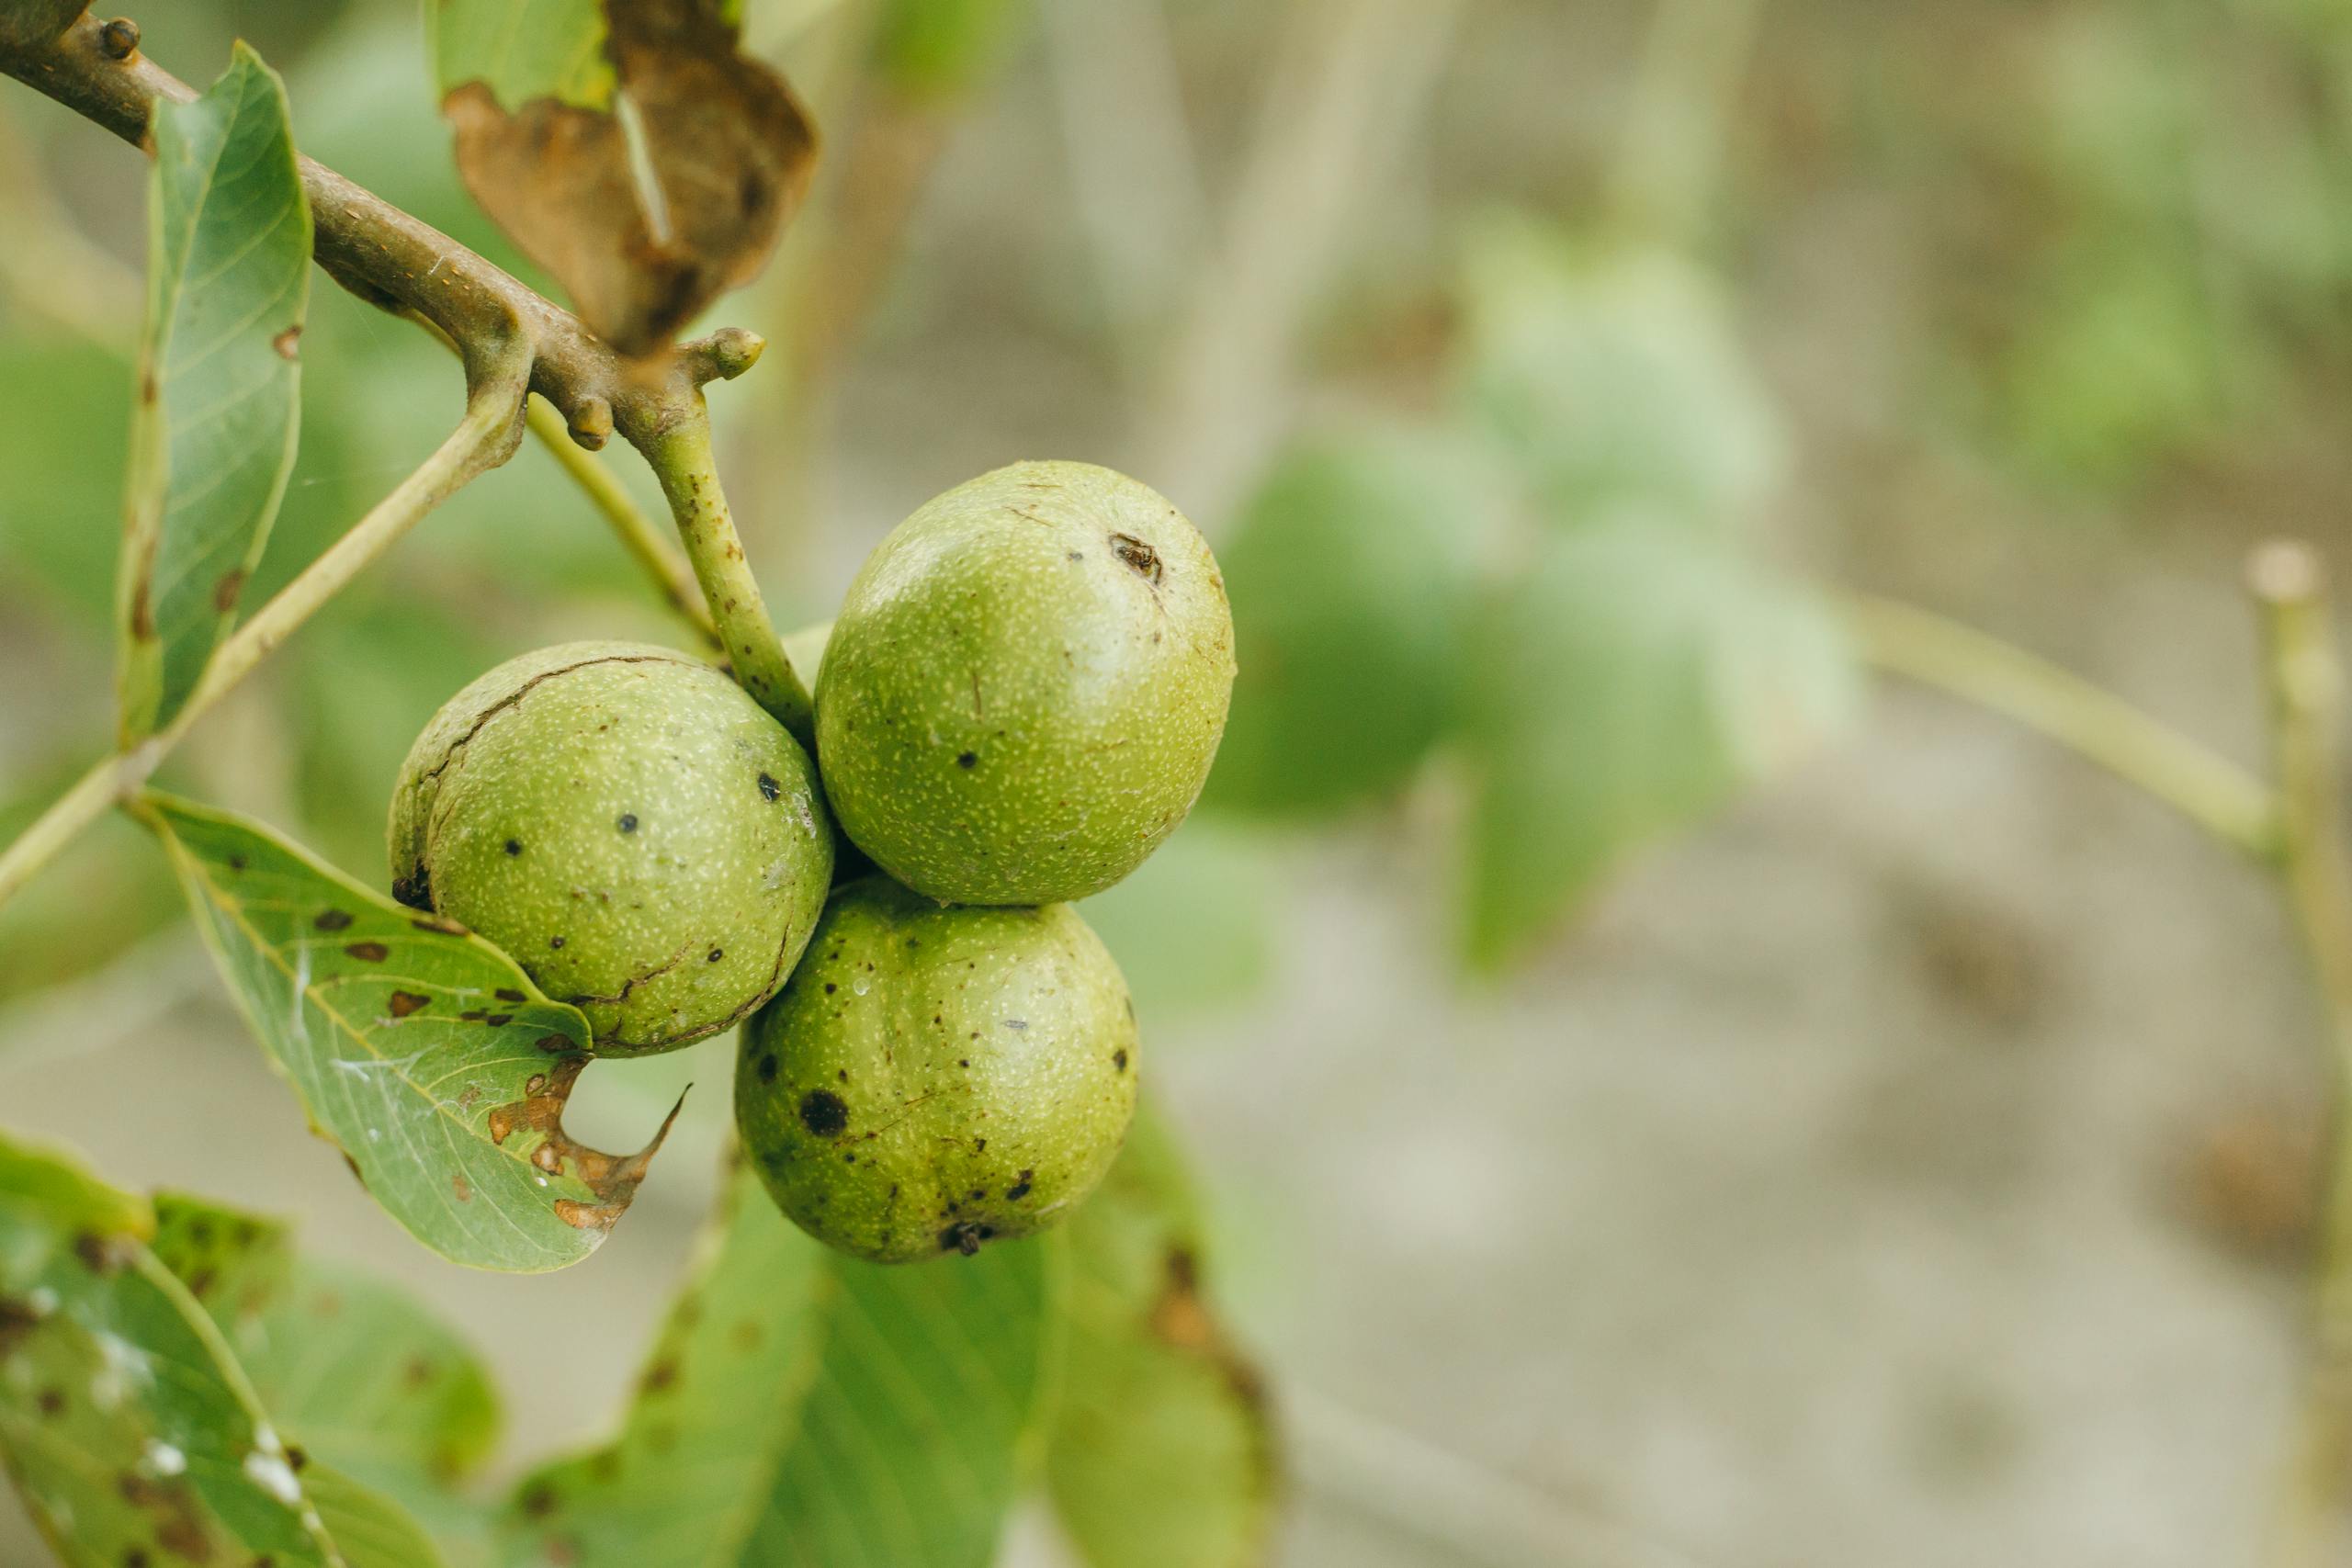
1666	1097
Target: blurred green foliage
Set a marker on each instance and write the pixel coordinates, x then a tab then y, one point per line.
1613	371
937	49
1350	573
2138	256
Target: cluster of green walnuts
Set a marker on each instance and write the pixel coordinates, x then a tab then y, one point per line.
1019	702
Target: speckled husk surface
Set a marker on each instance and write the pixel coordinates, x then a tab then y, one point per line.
629	826
1026	687
934	1078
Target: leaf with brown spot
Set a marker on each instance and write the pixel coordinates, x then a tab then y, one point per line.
233	1262
1160	1453
376	1386
383	1058
375	1389
151	1444
560	107
213	434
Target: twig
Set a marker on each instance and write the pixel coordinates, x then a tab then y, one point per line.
646	543
484	439
682	462
2306	684
2212	791
510	339
405	264
49	833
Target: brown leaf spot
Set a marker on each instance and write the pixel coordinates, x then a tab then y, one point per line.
143	611
461	1186
179	1527
102	1254
225	589
332	921
406	1003
288	342
368	952
16	1320
1179	1317
611	1178
730	150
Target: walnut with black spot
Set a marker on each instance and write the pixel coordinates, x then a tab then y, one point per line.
628	826
933	1080
1026	687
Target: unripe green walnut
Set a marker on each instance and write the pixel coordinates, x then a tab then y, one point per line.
933	1078
1026	687
629	826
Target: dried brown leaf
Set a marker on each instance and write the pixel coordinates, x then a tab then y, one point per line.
727	154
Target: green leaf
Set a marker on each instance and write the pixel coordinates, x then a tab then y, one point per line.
421	1051
1348	573
523	49
234	1263
1630	680
801	1408
1614	373
1192	927
368	1528
352	1370
1160	1454
69	1195
375	1384
214	426
129	1429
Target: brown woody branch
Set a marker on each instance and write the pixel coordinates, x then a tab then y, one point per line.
402	263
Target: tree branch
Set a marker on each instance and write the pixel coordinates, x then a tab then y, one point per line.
512	341
2203	785
2306	680
391	259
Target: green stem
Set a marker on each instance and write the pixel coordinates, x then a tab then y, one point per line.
483	439
682	459
2306	681
644	540
2211	790
60	824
